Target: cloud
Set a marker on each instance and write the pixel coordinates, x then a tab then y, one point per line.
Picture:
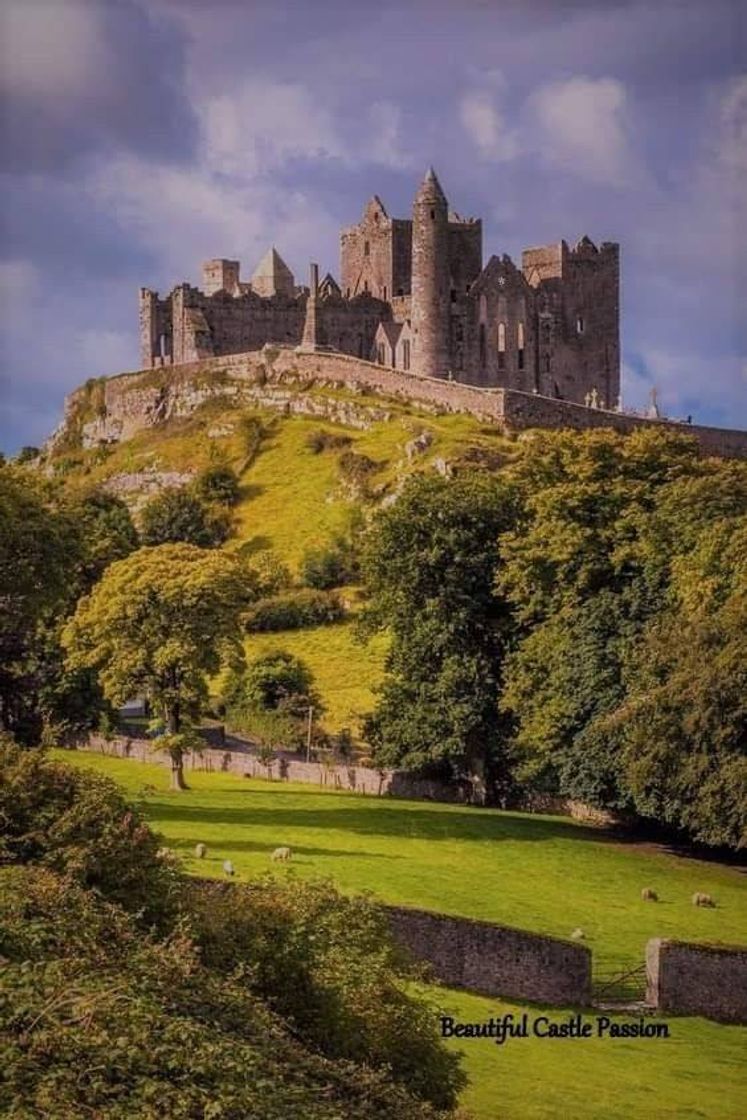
485	125
583	128
384	145
54	48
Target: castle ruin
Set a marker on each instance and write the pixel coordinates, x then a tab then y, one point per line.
414	296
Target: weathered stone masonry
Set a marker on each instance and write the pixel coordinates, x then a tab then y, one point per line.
276	377
689	979
414	295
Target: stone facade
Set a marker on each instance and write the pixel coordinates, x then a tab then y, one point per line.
689	979
414	296
495	960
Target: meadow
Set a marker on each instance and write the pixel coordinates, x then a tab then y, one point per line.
542	873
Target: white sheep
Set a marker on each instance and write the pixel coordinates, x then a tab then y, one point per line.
228	867
281	854
200	851
648	894
578	935
700	899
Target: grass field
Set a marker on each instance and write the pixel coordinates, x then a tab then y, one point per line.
541	873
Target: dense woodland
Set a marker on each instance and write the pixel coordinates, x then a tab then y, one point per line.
574	622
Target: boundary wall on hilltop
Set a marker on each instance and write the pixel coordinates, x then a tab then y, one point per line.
689	979
133	401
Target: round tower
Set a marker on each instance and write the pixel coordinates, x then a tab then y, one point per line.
430	279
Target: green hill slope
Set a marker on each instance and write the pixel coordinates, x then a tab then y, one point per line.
294	498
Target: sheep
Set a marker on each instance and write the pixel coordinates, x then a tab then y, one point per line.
649	895
700	899
281	854
228	867
200	851
578	935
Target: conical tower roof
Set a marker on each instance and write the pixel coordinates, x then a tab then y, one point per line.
272	276
430	188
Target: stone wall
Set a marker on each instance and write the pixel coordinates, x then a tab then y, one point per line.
139	400
687	979
496	960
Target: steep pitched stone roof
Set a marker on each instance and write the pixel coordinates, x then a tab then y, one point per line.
272	276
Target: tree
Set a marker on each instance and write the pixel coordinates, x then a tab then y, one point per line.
108	532
177	516
41	552
429	564
331	566
158	623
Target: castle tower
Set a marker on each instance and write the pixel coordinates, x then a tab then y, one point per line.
430	279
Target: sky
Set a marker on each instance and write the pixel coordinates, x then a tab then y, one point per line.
141	137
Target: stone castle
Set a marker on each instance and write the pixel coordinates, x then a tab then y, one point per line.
414	296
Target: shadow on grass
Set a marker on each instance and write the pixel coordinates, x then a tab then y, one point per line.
351	816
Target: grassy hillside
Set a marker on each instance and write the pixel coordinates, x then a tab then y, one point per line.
293	499
541	873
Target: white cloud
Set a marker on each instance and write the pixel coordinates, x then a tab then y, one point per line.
582	127
485	125
105	350
53	48
263	124
385	142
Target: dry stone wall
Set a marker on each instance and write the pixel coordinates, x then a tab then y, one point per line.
689	979
496	960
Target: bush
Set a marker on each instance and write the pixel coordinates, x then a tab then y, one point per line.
271	574
357	468
78	824
175	515
100	1019
252	431
275	681
328	964
217	484
294	611
320	440
331	566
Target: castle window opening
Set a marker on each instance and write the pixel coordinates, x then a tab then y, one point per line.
453	295
579	324
406	354
433	215
400	291
366	248
501	346
365	285
380	353
385	291
520	347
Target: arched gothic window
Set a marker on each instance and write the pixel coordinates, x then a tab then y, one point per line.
501	346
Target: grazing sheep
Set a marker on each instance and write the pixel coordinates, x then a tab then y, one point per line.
163	853
282	854
228	867
700	899
578	935
200	851
649	895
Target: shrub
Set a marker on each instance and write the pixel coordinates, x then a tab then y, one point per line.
294	611
320	440
275	681
331	566
328	964
252	431
100	1019
271	574
175	515
77	823
217	484
357	468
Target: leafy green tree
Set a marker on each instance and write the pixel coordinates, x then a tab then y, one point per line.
41	554
27	454
218	483
178	516
157	624
276	681
107	530
429	564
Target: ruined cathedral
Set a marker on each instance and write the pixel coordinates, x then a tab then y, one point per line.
414	295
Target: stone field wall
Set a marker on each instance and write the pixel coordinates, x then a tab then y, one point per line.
688	979
280	377
496	960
